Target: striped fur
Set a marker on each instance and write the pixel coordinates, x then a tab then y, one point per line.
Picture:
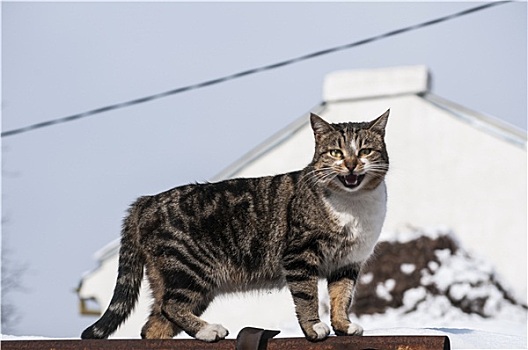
201	240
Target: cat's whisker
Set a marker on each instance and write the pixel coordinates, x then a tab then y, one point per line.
313	177
324	180
385	169
378	171
327	177
377	166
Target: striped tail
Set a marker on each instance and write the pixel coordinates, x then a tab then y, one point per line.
126	292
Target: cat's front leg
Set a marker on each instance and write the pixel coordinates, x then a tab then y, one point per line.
341	286
302	278
306	303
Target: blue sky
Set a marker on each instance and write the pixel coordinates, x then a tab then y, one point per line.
65	188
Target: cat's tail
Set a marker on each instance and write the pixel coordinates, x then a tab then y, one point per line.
130	274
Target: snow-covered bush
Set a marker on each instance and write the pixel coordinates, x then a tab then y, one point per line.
416	269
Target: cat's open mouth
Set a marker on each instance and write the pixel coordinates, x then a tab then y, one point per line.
351	180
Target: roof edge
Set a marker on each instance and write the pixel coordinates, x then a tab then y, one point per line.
486	123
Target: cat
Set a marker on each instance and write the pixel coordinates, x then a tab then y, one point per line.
201	240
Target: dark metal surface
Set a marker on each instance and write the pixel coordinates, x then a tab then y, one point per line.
248	339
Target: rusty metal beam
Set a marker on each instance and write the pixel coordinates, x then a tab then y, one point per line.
117	344
332	343
363	343
248	339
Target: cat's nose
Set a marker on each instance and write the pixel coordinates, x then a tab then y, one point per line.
351	163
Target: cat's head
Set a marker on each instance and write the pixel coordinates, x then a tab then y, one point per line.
350	156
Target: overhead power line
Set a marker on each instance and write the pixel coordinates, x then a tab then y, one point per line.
249	71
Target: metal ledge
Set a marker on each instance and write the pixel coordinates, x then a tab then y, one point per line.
248	339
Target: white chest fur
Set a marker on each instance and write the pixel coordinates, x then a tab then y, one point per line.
361	217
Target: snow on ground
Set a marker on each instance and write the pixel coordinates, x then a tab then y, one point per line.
506	330
21	337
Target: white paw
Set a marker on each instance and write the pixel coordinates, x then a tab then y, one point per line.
211	333
354	329
321	329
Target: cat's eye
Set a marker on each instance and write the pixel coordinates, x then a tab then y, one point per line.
336	153
364	152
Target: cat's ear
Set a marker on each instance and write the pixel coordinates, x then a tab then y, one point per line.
378	125
319	126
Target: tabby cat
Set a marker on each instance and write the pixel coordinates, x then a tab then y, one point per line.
201	240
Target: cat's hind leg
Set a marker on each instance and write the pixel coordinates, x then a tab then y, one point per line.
157	326
183	309
186	298
188	288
